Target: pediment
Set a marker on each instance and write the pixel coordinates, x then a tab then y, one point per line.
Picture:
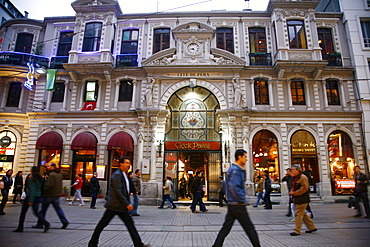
93	2
193	27
169	57
96	6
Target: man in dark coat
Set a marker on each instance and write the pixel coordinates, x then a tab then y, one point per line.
118	203
197	191
8	182
95	187
362	181
289	180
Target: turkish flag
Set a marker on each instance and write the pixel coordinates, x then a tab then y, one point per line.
89	106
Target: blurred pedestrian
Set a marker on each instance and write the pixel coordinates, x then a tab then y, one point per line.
33	198
222	192
259	190
237	201
8	182
289	181
197	192
167	192
301	198
136	181
182	185
78	186
118	203
95	188
18	187
267	187
362	181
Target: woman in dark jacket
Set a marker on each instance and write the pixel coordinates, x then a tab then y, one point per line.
18	186
33	198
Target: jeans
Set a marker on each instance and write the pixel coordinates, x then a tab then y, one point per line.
5	194
169	199
300	216
266	199
362	196
136	203
78	195
259	196
94	195
240	213
36	212
197	198
104	221
54	200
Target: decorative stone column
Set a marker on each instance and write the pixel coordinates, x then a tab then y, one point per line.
326	104
66	84
307	96
48	100
97	108
116	95
271	95
253	97
291	107
133	101
5	96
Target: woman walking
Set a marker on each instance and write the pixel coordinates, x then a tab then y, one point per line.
18	187
33	198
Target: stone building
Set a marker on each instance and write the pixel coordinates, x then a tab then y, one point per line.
180	92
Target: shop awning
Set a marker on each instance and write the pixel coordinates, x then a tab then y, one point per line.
84	141
121	141
50	140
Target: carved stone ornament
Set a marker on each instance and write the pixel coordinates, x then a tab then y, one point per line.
88	59
300	56
295	12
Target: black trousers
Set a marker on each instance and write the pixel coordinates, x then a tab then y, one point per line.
240	213
104	221
221	197
362	196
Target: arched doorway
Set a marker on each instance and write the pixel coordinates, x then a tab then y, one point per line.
266	157
342	163
303	152
50	145
193	141
8	142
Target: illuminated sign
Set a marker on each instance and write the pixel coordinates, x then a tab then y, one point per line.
194	74
196	145
345	184
31	76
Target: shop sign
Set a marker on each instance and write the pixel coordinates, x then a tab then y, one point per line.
345	184
31	76
194	74
172	145
302	147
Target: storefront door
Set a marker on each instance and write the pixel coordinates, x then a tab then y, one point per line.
85	165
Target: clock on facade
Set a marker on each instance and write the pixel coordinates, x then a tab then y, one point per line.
193	48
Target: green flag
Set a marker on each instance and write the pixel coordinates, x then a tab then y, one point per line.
50	79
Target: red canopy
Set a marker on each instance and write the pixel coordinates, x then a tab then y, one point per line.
121	141
50	140
84	141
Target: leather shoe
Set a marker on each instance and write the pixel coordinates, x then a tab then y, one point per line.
357	215
17	230
36	226
2	213
205	210
288	215
367	216
294	234
64	225
194	211
160	207
311	231
135	214
47	227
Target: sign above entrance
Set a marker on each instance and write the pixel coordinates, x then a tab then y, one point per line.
194	74
196	145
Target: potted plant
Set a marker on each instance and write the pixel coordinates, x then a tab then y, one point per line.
65	191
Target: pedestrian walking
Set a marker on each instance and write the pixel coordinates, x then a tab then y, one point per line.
52	191
360	192
182	185
18	187
8	182
33	199
289	181
136	181
259	190
237	201
78	186
167	192
197	192
118	203
95	188
222	192
301	198
267	186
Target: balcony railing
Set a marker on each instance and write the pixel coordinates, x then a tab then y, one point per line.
56	62
333	59
126	60
19	58
260	59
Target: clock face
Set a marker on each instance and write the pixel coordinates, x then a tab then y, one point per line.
193	49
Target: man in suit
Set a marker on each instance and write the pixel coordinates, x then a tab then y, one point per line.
118	203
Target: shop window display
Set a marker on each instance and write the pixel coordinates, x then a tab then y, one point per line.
48	156
342	163
7	150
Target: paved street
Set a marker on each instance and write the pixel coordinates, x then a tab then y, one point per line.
180	227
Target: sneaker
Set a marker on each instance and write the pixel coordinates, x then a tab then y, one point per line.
255	206
70	203
311	231
292	220
294	234
81	205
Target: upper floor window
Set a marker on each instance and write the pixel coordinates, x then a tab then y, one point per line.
129	41
92	36
365	26
65	43
225	39
332	92
161	39
24	43
58	94
261	92
297	90
325	40
296	33
14	94
257	39
125	91
91	91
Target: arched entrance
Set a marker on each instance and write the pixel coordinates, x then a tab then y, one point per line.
303	150
8	142
193	141
50	145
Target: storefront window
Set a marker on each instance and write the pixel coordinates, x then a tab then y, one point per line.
265	157
342	163
49	156
7	151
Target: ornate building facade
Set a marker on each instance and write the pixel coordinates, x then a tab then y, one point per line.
179	93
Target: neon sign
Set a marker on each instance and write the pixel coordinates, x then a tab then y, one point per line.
31	76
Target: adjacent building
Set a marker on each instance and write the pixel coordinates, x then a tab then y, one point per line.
180	92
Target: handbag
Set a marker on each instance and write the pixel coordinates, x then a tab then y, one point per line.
23	196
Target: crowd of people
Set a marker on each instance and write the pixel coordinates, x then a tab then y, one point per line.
124	192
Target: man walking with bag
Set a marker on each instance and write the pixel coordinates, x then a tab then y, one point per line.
362	182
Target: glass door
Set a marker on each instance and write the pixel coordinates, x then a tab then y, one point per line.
170	170
214	173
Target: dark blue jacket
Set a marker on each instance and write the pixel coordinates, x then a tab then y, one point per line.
235	185
118	197
8	182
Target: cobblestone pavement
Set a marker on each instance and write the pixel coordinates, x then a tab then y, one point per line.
179	227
